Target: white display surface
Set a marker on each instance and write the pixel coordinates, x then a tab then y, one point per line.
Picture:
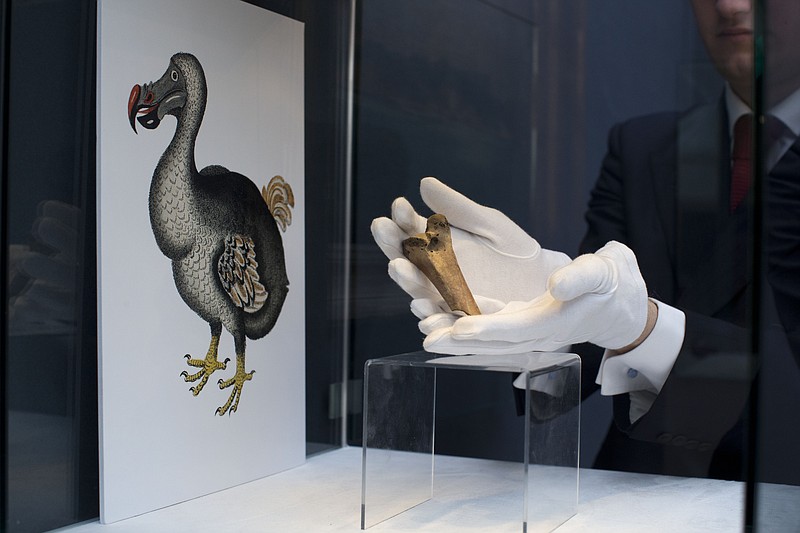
324	494
160	444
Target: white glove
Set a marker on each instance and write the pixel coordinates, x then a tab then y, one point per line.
599	298
500	262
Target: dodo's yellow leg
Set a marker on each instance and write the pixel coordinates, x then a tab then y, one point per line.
207	366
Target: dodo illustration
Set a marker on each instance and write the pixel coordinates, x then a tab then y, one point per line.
219	231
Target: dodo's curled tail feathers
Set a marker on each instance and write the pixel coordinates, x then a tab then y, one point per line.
280	199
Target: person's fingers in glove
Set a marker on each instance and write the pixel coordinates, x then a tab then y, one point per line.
389	233
599	298
441	341
435	314
500	232
388	236
501	260
411	279
407	218
498	259
423	308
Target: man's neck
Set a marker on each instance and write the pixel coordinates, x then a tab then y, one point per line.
744	91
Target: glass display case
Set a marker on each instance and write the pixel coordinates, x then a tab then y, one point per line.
583	122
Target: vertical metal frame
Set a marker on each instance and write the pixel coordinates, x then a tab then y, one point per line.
348	216
755	246
5	38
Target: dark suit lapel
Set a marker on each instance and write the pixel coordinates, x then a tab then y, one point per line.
711	243
663	170
782	217
722	274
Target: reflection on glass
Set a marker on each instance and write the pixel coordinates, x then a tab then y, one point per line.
42	273
50	358
43	373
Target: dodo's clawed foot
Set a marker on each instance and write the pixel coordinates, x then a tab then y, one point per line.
237	382
207	366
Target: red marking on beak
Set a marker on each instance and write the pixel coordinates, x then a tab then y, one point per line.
134	97
133	101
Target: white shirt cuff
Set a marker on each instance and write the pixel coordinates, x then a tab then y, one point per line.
646	367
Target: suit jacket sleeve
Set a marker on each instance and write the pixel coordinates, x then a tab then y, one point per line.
636	200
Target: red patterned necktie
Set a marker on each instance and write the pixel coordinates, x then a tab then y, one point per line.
742	171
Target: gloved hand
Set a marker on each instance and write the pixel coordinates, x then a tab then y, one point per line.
599	298
500	262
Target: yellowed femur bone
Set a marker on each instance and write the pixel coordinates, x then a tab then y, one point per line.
432	252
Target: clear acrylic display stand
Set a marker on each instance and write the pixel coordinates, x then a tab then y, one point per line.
398	469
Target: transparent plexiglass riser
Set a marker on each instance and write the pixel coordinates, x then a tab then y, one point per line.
403	479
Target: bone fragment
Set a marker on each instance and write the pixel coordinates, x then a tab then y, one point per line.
432	252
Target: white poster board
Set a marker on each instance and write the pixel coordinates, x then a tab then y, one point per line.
159	443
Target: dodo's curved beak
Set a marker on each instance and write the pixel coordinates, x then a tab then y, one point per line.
133	105
142	104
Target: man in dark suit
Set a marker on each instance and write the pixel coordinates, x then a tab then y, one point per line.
664	211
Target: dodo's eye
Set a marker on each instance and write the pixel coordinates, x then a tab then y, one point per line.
174	75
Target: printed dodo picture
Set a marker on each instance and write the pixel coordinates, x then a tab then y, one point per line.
220	233
201	249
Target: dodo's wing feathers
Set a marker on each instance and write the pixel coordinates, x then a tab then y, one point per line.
236	269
